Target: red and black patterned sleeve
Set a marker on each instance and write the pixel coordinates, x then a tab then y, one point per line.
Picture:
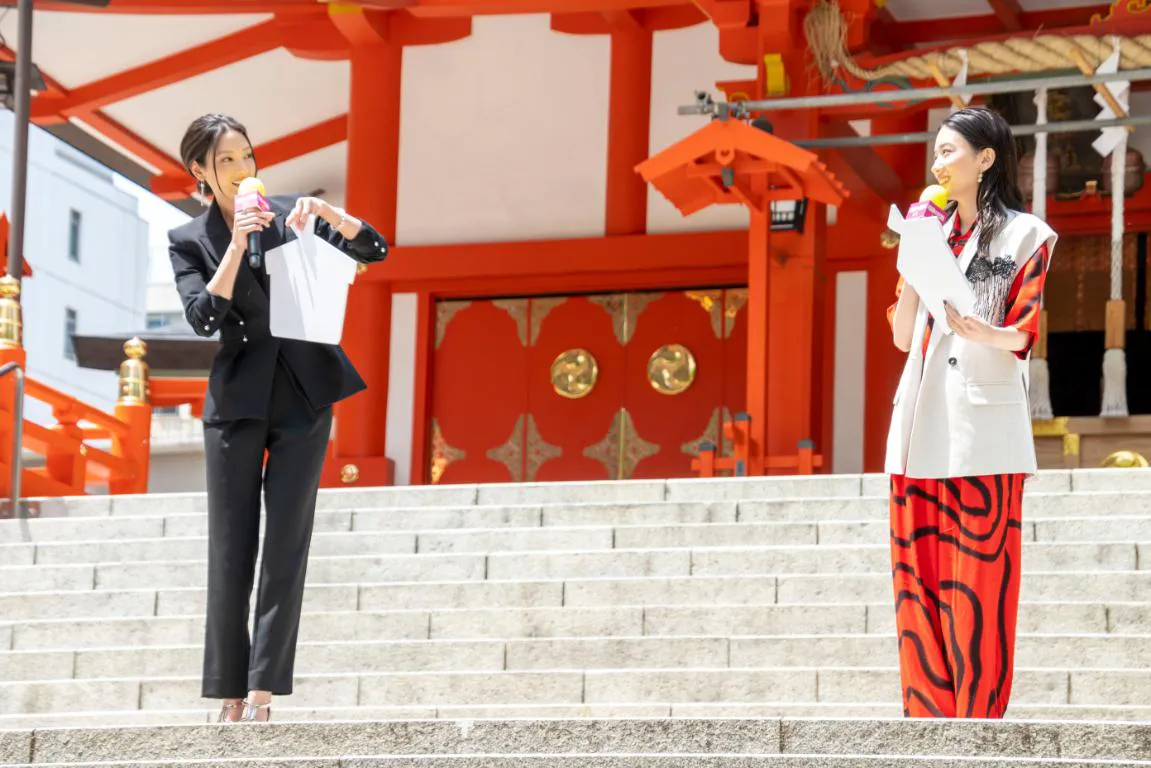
1023	301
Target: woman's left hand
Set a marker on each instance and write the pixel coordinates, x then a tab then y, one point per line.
308	206
969	327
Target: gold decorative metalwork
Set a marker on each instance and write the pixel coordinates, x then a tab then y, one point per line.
511	452
671	369
11	323
734	301
712	303
1071	445
1050	428
539	451
445	311
713	434
134	373
625	309
349	473
574	373
1124	460
361	268
622	448
442	453
517	309
539	311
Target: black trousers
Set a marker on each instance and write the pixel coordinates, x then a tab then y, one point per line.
295	437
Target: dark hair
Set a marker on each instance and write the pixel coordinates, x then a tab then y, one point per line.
202	137
999	192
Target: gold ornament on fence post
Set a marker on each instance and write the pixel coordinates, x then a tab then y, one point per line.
1124	460
349	473
11	322
134	373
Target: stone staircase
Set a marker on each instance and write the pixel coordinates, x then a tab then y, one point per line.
644	623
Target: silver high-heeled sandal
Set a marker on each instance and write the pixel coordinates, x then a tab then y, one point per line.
226	710
252	712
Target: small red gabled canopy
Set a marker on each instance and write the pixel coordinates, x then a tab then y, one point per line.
690	173
4	248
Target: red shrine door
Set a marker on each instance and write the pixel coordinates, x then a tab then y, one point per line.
600	387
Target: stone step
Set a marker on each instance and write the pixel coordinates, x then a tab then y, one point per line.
630	491
511	623
619	652
1058	686
165	520
598	760
617	563
702	535
443	738
285	712
797	589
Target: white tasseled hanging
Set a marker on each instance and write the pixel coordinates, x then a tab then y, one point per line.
1115	360
1039	391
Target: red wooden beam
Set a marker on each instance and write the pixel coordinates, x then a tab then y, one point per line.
49	108
1008	12
584	264
196	7
906	34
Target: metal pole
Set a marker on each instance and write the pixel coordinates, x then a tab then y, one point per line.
1015	85
18	442
20	141
1067	126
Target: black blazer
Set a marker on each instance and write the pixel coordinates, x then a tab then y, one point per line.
240	383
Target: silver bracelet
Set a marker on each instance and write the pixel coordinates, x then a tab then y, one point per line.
343	219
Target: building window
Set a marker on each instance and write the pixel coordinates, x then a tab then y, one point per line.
74	220
69	331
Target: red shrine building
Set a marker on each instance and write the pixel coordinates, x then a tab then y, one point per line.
584	282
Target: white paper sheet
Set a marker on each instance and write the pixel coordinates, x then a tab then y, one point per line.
929	266
308	282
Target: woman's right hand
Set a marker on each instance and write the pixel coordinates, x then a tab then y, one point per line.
247	222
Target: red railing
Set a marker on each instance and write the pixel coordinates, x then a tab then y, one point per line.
738	432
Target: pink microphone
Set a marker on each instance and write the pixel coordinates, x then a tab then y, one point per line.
251	196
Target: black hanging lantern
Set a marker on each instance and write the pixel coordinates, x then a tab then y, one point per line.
788	215
8	82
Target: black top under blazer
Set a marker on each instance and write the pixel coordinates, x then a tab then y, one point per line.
240	383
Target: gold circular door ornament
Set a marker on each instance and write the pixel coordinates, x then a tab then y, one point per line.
574	374
671	369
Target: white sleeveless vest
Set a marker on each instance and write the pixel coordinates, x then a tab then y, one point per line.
962	409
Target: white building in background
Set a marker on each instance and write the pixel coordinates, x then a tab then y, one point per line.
177	460
87	245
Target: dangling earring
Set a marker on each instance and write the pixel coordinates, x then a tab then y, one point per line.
979	179
202	188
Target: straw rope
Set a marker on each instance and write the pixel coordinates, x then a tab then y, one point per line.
826	30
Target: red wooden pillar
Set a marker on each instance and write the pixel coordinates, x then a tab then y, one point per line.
373	170
759	276
790	321
629	127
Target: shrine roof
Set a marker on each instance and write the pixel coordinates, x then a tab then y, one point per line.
125	80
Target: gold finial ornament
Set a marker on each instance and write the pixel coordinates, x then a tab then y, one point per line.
574	373
11	322
1124	460
134	373
671	369
349	473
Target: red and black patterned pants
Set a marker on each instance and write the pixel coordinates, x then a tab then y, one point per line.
955	555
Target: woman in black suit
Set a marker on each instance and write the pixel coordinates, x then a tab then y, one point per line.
265	394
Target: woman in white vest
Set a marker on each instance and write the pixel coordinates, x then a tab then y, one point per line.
960	444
